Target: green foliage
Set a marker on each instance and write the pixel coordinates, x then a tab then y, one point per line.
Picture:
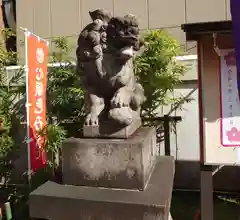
65	97
61	51
65	102
156	69
6	141
6	147
55	135
13	87
158	72
6	57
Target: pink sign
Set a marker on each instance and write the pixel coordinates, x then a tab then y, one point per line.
229	100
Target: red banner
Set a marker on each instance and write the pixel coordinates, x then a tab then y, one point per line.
37	59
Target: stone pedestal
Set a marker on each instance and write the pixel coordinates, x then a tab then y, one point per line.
112	129
62	202
112	163
109	179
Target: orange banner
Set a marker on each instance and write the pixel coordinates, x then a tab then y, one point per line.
37	60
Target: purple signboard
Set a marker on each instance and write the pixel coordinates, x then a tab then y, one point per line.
235	12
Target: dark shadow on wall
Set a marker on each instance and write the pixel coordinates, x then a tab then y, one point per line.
187	176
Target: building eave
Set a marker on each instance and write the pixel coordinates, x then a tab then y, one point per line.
195	30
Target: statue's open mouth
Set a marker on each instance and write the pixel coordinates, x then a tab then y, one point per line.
126	53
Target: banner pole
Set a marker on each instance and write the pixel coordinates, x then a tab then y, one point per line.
27	107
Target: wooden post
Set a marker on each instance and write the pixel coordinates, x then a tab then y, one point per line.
206	192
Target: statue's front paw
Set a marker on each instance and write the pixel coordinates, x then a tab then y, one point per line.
120	99
122	115
91	120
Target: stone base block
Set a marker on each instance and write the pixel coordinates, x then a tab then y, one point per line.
111	163
111	129
60	202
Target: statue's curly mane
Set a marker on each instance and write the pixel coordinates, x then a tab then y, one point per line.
123	32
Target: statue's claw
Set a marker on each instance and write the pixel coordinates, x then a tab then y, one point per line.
91	119
121	99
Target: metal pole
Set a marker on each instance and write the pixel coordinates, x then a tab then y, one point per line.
27	106
167	135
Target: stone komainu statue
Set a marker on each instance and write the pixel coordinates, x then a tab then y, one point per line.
105	53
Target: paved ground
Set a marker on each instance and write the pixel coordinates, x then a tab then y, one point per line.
185	205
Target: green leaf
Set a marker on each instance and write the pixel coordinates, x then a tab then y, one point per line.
158	71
